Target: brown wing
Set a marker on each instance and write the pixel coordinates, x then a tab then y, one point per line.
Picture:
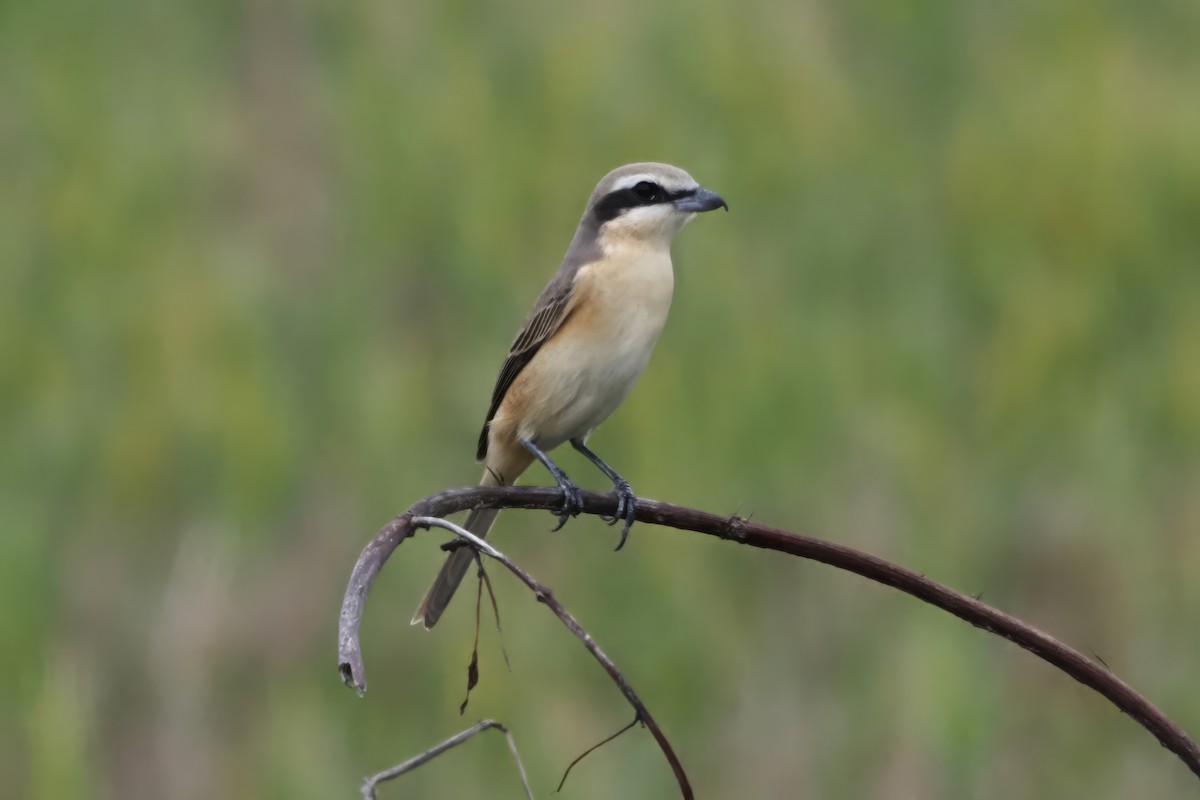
552	308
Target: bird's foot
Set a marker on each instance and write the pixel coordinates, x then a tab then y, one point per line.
572	505
626	508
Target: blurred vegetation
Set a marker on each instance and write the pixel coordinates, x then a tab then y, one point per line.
259	263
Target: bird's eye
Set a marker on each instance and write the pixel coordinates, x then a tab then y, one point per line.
648	191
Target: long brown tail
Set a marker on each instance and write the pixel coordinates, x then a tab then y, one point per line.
446	584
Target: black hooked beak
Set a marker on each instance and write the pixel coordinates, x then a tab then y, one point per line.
700	200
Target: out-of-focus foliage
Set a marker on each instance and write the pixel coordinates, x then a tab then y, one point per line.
260	262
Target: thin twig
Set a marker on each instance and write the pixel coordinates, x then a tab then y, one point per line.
473	667
372	783
545	596
1087	671
591	750
487	582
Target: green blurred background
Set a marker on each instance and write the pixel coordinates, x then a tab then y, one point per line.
260	263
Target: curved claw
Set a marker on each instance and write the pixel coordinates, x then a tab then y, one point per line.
572	504
623	495
626	509
617	515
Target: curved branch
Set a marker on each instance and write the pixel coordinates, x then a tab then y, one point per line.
1083	669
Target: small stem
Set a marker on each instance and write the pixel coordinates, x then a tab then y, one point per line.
372	783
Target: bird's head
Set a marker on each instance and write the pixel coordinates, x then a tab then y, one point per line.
647	202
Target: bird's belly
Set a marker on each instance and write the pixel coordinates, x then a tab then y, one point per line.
592	365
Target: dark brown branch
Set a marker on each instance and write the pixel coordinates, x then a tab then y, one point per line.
593	749
546	597
372	783
1084	670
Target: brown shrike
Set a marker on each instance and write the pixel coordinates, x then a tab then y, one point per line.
583	346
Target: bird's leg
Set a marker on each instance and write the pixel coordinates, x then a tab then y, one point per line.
626	500
572	499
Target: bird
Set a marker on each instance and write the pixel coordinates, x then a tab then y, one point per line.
583	346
